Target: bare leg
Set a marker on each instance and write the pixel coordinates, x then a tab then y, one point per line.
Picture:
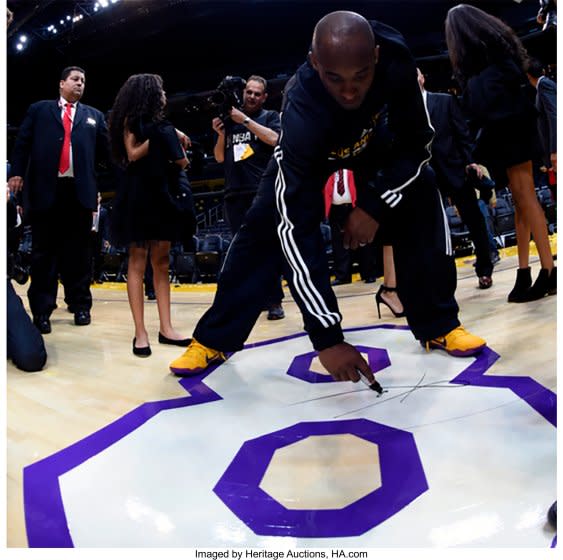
390	280
530	213
522	238
135	272
160	264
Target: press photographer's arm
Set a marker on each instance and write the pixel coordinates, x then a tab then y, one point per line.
219	148
265	134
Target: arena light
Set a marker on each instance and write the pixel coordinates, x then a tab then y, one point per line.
19	46
23	38
67	21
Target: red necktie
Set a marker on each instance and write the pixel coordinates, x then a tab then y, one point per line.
64	162
340	182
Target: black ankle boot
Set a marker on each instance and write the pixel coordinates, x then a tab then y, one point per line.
552	287
543	284
522	285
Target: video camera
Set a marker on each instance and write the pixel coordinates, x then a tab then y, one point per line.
227	95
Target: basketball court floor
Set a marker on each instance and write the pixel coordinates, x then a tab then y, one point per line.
105	449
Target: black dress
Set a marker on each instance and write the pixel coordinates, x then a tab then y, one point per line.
144	208
500	104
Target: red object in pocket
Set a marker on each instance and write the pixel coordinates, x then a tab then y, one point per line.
551	177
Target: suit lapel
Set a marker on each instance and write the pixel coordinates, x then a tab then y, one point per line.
56	112
78	116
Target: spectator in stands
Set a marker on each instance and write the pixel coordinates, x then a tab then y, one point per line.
452	159
145	216
60	195
245	142
546	104
490	63
357	90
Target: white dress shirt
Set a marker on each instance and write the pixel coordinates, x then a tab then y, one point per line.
62	102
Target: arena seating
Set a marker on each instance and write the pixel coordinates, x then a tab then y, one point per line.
504	221
461	241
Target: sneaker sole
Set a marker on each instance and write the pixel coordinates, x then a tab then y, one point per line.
458	353
182	372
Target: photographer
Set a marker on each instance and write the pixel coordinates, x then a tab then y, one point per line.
245	143
24	343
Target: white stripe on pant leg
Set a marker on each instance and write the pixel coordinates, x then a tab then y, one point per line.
302	279
447	233
303	283
422	164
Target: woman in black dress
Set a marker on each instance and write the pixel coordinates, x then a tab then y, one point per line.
147	149
490	63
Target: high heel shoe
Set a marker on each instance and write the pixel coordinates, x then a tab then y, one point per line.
379	300
143	352
523	283
545	284
180	342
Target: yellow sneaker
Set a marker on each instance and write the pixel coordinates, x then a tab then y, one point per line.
195	359
458	342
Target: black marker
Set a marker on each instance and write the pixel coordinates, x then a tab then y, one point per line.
375	386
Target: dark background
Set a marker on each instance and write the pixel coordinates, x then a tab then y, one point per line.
193	44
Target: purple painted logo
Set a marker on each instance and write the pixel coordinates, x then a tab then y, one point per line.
304	366
401	474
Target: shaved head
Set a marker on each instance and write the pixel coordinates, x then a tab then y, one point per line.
343	34
344	54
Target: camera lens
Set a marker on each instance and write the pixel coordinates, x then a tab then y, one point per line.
218	98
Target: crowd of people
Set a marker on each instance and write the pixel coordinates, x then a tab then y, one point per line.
360	142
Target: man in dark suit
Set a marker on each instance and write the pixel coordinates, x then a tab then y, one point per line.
452	160
57	148
546	104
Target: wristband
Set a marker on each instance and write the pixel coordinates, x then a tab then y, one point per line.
246	120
